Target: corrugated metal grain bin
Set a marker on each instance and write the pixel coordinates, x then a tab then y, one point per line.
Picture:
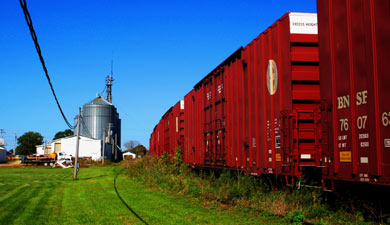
273	93
355	81
99	116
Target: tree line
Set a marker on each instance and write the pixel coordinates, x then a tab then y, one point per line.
26	144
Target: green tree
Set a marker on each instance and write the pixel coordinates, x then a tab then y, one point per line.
130	145
139	150
27	143
62	134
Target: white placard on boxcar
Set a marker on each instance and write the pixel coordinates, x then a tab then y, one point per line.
303	23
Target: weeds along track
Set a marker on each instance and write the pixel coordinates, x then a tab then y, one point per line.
124	202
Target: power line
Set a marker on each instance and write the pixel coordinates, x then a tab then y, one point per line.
84	125
104	89
27	16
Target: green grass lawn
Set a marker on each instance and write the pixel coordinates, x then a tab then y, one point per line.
50	196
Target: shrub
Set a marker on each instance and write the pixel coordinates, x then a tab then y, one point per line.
296	217
233	189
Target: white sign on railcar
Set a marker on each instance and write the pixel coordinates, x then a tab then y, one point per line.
303	23
387	143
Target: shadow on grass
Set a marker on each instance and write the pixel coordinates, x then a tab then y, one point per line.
89	178
123	201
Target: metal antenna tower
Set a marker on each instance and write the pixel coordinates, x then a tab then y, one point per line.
2	141
1	133
112	66
109	80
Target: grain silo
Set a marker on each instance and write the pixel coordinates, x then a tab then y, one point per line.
100	116
101	119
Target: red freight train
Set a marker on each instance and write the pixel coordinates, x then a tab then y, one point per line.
262	111
169	132
355	77
259	110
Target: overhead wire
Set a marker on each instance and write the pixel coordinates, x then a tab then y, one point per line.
85	126
104	89
27	16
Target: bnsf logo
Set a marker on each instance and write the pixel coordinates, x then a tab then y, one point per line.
343	101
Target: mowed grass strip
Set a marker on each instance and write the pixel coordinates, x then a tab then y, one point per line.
50	196
163	208
25	194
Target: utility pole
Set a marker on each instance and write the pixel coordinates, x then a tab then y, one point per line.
109	139
104	145
112	147
76	162
116	152
16	137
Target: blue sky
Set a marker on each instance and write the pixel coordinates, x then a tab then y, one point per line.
160	50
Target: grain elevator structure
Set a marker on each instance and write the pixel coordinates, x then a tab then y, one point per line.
101	121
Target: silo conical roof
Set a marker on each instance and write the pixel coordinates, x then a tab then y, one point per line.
99	101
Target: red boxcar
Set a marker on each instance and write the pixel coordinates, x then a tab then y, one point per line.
259	109
194	120
169	133
355	86
152	142
192	131
278	96
176	127
156	141
206	119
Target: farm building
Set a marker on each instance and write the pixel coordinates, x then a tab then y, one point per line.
3	155
88	147
44	149
129	155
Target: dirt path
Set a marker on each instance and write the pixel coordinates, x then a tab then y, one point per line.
12	164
